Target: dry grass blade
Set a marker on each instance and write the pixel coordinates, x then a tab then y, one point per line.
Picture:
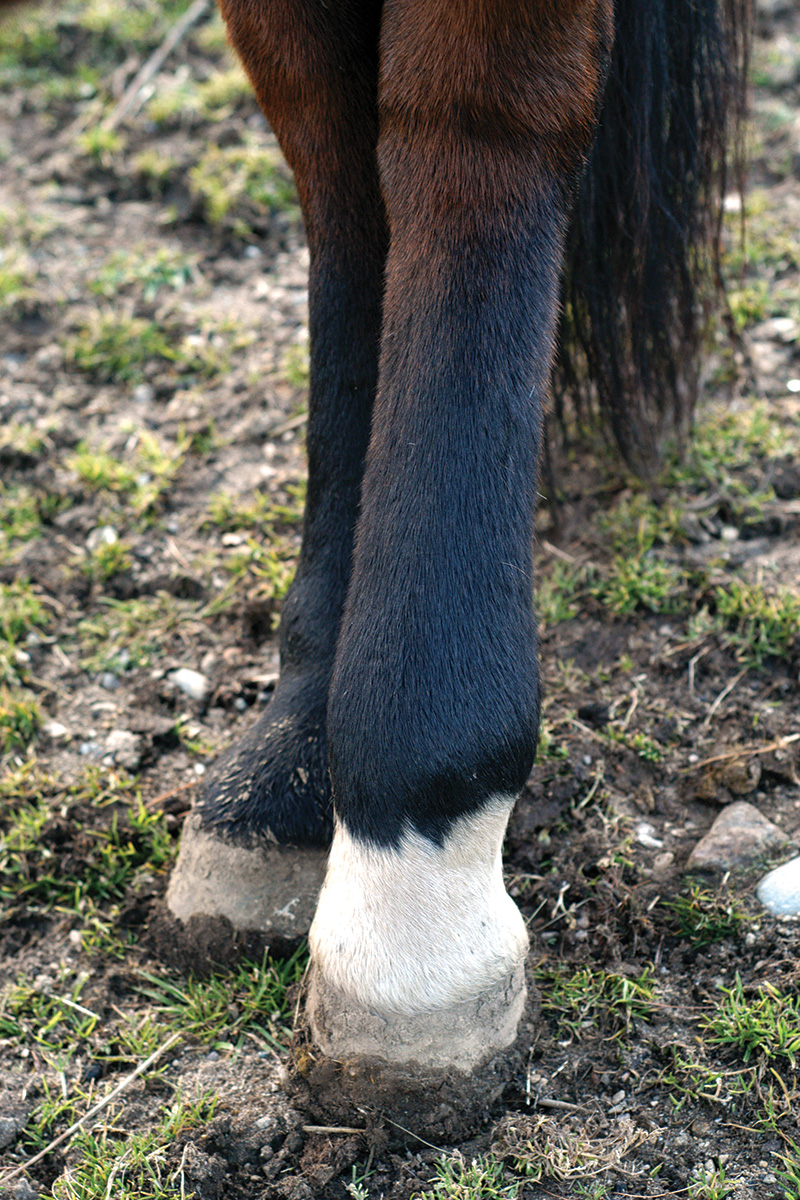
729	755
539	1146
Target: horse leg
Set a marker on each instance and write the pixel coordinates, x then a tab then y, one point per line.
486	112
314	69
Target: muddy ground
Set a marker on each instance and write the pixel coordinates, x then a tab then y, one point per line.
153	365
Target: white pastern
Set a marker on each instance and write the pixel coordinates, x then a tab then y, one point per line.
422	927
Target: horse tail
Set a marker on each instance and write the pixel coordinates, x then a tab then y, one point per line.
642	267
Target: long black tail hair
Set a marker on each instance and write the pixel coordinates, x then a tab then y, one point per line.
643	251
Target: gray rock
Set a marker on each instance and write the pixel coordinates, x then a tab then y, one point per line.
779	891
109	681
125	747
24	1191
739	834
191	682
10	1129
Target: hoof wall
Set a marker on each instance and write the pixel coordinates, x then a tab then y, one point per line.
265	893
437	1077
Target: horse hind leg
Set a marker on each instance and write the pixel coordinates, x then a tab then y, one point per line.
253	850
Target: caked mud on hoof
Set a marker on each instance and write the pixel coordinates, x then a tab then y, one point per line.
225	899
439	1075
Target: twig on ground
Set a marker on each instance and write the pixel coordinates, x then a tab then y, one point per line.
130	102
287	426
97	1108
157	801
331	1129
744	752
692	664
726	691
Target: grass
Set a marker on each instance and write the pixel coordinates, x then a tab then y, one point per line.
757	623
226	179
589	998
690	1081
115	348
107	561
704	917
641	583
711	1185
146	273
764	1027
17	277
142	481
20	440
539	1147
125	634
112	347
297	366
101	144
114	846
248	1002
230	513
482	1178
789	1176
21	610
20	718
141	1166
23	512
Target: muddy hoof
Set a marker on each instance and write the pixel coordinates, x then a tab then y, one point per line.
438	1075
265	890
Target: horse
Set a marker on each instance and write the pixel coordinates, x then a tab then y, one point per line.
509	205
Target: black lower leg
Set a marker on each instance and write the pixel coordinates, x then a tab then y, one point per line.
315	74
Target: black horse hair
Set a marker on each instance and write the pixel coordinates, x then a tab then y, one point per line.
643	256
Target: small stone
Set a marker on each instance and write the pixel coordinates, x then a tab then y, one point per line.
739	834
125	747
143	393
779	891
240	704
24	1191
103	535
645	836
784	329
55	731
192	683
109	681
729	533
76	938
90	749
10	1129
662	861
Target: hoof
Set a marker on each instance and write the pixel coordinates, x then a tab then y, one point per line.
461	1037
439	1075
260	889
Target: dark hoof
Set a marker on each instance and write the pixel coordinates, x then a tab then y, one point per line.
265	889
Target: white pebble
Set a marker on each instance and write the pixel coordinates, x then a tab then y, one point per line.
779	891
192	683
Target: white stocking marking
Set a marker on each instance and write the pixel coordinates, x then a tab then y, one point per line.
422	927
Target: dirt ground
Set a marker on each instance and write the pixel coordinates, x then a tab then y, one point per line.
153	366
